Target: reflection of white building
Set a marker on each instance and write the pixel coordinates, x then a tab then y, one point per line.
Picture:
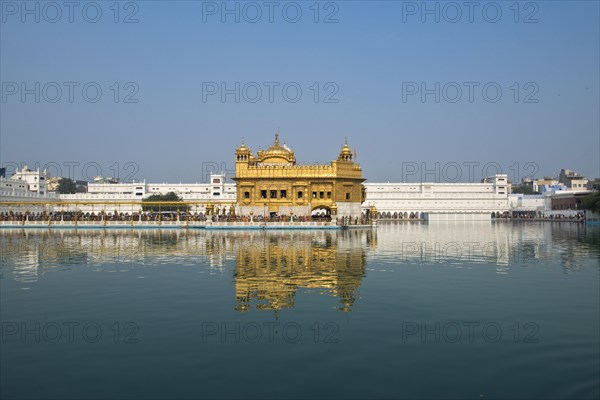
458	244
310	256
400	200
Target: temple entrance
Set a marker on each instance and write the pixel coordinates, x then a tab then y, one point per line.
321	212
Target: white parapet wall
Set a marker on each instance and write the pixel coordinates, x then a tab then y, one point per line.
349	209
458	217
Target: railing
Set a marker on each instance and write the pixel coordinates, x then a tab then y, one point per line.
99	223
259	224
158	224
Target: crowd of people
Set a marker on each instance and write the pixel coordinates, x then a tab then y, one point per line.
523	215
149	216
101	216
579	216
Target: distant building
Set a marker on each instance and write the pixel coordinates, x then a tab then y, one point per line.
105	180
567	180
52	184
572	180
8	185
2	172
556	187
536	184
25	186
36	180
567	200
546	181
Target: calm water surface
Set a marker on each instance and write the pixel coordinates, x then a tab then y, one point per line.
406	310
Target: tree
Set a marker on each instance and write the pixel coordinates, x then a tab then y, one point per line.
525	189
591	202
81	189
66	186
170	197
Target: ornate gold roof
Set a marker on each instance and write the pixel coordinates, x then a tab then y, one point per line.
277	154
346	149
345	153
243	149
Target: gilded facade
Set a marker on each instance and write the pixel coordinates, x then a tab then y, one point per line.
270	183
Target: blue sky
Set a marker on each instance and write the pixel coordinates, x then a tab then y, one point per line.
371	61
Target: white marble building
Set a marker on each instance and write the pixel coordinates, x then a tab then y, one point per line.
25	186
216	191
432	201
422	200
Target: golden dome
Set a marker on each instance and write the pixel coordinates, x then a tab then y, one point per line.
345	153
278	153
243	153
243	147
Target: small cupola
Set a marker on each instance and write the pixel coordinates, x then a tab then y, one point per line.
345	153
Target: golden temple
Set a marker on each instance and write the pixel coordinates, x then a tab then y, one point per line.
270	183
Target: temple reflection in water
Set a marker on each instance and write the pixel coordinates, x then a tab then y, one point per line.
271	270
